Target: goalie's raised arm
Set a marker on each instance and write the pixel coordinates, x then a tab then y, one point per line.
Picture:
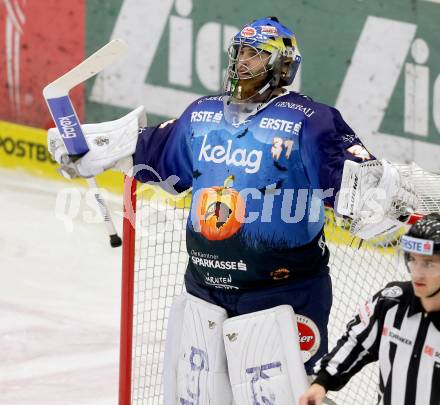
111	146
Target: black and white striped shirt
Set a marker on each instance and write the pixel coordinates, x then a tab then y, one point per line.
393	328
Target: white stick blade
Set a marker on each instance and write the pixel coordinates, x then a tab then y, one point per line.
96	62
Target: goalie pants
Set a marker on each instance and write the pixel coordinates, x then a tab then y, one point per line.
310	298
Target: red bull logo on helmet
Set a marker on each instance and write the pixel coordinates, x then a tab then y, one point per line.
248	32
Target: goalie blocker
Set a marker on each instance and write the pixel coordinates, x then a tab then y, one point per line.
262	362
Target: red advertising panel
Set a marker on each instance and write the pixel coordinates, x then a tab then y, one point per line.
40	40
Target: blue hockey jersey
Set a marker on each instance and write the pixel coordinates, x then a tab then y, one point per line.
258	188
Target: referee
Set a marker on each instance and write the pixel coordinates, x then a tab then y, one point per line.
399	326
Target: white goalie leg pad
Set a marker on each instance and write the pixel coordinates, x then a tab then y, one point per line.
195	367
264	357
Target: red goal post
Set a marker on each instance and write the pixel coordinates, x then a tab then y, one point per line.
154	261
127	291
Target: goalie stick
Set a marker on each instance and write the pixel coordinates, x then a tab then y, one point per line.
63	113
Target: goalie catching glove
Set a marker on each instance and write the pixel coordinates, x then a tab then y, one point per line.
111	146
377	196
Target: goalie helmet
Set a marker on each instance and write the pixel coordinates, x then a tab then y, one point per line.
272	43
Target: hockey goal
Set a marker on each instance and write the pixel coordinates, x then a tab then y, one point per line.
154	262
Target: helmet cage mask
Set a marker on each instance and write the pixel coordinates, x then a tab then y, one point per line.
234	80
266	59
282	63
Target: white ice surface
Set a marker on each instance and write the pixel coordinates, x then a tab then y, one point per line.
59	300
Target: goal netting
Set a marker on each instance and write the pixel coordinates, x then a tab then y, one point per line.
154	264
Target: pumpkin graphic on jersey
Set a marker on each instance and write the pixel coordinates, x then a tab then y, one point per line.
220	211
